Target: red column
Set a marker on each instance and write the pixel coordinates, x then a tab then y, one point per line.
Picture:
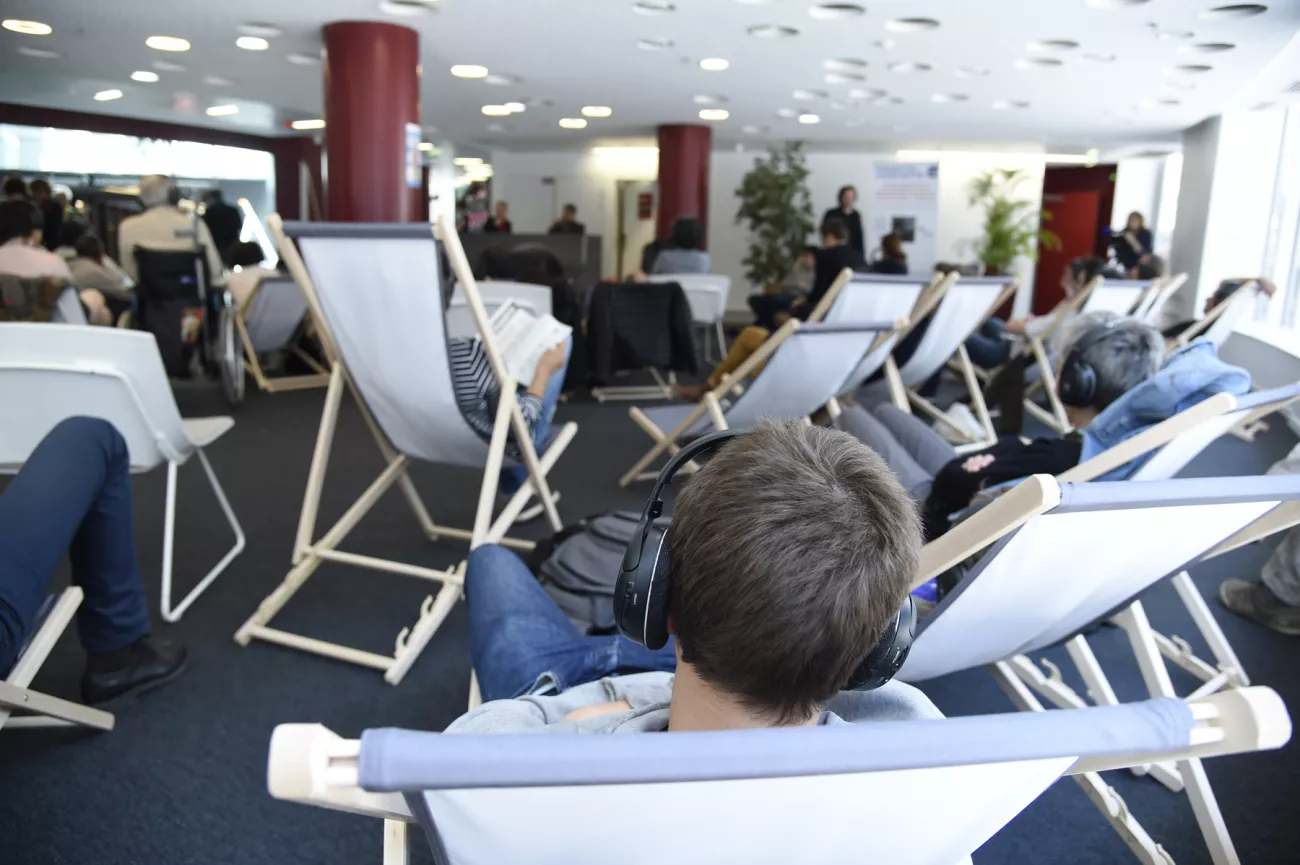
372	90
683	174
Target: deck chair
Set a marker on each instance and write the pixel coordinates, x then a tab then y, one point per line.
1043	578
1221	321
1118	296
805	366
965	305
374	293
871	297
854	793
57	371
707	294
271	319
42	710
1152	306
534	298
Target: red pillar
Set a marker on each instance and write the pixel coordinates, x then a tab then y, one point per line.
683	174
372	90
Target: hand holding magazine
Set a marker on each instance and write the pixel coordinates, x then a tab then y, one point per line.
522	338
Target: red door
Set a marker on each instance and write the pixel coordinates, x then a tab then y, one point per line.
1073	218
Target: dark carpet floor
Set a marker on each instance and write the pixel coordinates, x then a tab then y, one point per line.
182	778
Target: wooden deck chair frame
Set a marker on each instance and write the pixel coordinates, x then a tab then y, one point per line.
1152	306
309	554
1243	295
1023	682
311	765
904	398
320	378
42	709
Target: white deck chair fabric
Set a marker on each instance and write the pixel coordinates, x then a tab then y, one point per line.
379	289
804	372
963	309
1238	305
275	314
873	298
1054	576
1115	295
57	371
68	308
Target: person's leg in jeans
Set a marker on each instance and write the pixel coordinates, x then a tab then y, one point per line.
521	643
930	450
513	477
866	428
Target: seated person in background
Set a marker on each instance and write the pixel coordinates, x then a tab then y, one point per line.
22	255
69	233
1149	267
1125	357
800	280
1226	289
683	253
568	222
500	221
91	268
15	189
793	549
165	227
246	258
1133	243
73	495
892	260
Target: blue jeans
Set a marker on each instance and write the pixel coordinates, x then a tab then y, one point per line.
986	346
72	495
521	643
514	477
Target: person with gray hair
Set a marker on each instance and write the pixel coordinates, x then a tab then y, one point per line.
164	227
1102	357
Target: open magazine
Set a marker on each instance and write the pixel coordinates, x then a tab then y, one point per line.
522	338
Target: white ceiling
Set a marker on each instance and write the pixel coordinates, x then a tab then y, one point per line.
585	52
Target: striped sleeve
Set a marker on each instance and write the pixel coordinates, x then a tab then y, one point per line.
478	394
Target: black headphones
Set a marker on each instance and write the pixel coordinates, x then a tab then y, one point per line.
1077	384
644	585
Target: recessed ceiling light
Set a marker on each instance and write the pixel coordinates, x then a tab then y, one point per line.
1237	10
867	93
653	7
971	71
541	102
304	59
809	119
884	44
27	28
787	113
1002	105
1179	85
708	99
573	123
714	114
1037	63
405	8
596	111
839	106
843	77
108	95
911	25
1099	58
755	3
714	64
808	95
252	43
904	67
426	146
845	64
1174	35
167	66
469	71
223	110
1115	4
217	81
949	97
772	31
308	124
144	76
167	43
516	107
256	28
654	44
497	80
43	53
1052	45
495	127
836	11
1188	69
1169	102
496	111
1206	48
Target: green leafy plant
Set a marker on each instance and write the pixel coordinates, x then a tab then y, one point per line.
1011	226
776	206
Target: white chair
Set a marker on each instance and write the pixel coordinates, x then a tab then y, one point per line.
534	298
869	792
271	319
374	293
1118	296
805	366
68	309
57	371
42	710
1057	558
707	294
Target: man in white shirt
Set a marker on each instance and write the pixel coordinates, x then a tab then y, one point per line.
166	228
24	257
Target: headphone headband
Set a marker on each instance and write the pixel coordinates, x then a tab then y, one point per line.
689	452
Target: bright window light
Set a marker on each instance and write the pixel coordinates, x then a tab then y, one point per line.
1089	158
573	123
144	76
597	111
252	43
714	64
469	71
714	114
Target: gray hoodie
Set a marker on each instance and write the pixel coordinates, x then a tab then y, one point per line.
649	695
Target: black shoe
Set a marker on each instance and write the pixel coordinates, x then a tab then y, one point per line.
1254	600
144	665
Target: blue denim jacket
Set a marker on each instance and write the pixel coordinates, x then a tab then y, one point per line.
1190	375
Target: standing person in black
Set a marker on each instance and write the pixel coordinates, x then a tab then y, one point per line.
568	222
500	221
224	222
851	218
1134	244
42	197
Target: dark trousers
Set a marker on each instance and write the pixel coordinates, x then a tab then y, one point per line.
1006	392
72	495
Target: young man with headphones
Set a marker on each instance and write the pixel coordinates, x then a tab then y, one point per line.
779	594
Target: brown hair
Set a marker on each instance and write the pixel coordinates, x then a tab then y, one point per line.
792	550
835	227
892	247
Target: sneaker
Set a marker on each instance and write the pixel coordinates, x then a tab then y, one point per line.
1254	600
535	510
960	414
142	666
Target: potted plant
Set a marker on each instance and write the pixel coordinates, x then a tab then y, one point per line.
775	204
1011	226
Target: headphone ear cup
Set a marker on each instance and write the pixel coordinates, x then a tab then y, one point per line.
659	593
887	658
1078	382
